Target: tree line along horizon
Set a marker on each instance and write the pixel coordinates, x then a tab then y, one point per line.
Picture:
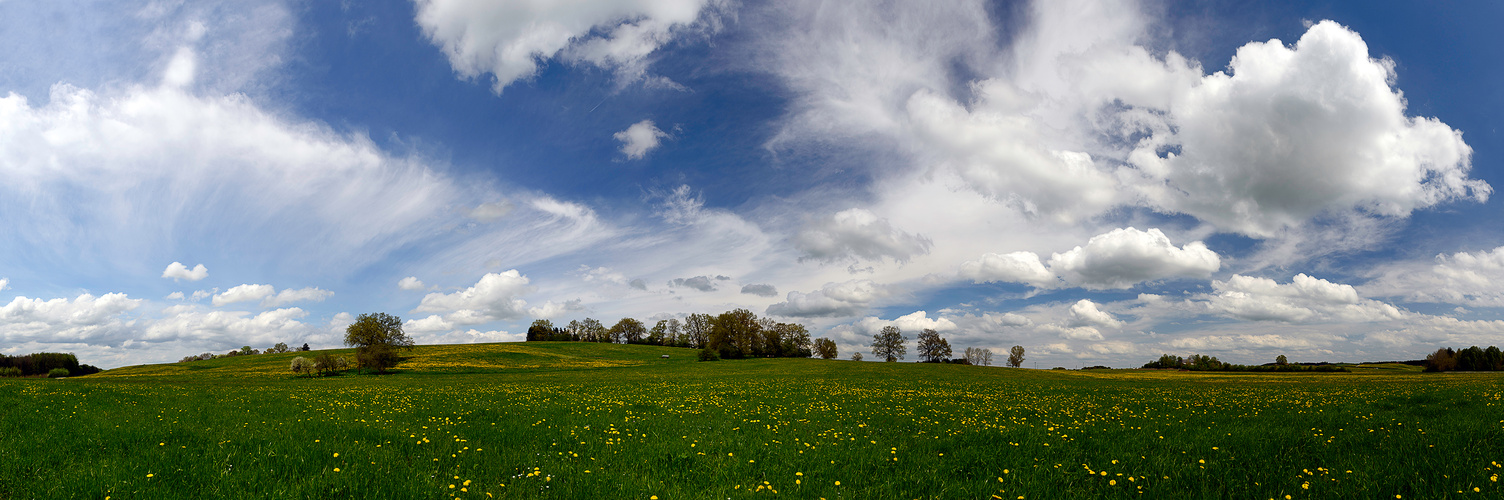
734	334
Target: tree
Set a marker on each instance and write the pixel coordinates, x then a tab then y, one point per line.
658	335
1444	359
697	329
825	348
889	344
1166	361
1281	360
793	340
628	331
301	366
541	330
1016	356
376	336
932	347
591	330
1493	358
735	334
305	347
978	356
856	356
280	348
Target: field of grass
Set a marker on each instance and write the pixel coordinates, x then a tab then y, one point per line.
574	420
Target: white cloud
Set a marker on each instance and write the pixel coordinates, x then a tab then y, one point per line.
432	323
491	211
1077	118
1470	278
1290	132
1304	299
551	309
232	328
1122	258
857	234
175	296
86	318
288	296
640	138
411	283
832	300
1085	313
177	271
494	297
244	293
4	283
510	40
1072	333
1016	267
269	296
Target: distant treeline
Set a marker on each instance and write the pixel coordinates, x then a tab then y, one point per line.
1471	359
281	347
731	335
1197	362
43	363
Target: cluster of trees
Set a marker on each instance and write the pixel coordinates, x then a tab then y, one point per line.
376	338
730	335
1198	362
889	343
1471	359
281	347
52	364
323	364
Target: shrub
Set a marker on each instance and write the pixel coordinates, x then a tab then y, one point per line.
379	357
707	354
57	373
302	366
10	371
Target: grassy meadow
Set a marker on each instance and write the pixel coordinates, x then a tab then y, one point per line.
579	420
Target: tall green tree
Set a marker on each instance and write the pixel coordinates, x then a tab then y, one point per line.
735	334
888	344
697	330
541	330
376	337
628	331
825	348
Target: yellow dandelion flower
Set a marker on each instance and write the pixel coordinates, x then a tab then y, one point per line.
150	475
336	455
336	469
1113	482
838	483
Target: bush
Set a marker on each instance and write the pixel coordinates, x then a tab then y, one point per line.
10	371
302	366
379	357
707	354
57	373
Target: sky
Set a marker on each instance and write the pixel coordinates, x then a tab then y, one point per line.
1101	182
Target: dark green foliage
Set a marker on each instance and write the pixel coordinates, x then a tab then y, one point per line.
1016	356
376	329
44	362
825	348
1199	362
377	357
57	373
10	371
1472	359
628	331
707	354
1281	360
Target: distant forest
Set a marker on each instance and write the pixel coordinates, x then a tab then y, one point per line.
733	334
1471	359
43	363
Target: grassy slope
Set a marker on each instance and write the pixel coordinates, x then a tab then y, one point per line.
572	420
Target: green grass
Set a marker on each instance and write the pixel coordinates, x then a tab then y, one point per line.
574	420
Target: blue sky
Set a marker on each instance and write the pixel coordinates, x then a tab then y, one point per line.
1100	182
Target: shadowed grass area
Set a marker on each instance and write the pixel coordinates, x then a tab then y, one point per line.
574	420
